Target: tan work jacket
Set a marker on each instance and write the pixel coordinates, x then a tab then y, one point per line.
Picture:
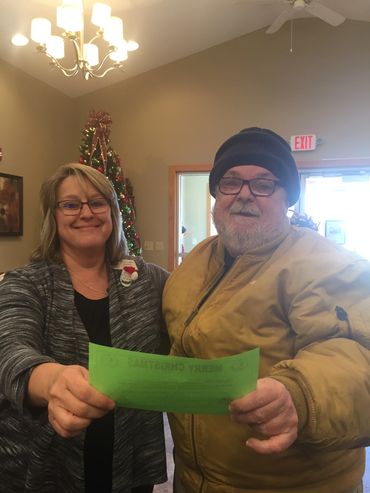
305	302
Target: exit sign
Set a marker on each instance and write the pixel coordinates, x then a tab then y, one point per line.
306	142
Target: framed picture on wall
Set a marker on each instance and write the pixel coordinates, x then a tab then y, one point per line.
335	231
11	205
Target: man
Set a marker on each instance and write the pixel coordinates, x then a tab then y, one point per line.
305	302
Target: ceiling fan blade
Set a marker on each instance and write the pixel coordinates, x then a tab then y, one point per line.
325	14
279	21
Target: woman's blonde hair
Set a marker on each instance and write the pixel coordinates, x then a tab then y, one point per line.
49	247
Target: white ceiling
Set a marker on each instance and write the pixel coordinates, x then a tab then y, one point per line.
167	30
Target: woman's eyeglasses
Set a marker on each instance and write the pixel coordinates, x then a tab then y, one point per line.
72	207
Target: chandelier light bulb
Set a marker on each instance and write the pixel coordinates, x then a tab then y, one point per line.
132	45
299	4
120	54
40	30
61	17
113	31
100	14
20	40
70	18
55	47
91	54
61	21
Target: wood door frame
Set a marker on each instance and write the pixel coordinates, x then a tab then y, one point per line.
174	170
173	212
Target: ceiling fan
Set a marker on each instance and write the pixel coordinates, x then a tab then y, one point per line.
312	7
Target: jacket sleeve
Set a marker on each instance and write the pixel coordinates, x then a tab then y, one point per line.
21	336
329	376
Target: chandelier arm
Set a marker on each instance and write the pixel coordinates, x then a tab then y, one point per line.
111	50
116	66
78	52
69	72
80	64
97	36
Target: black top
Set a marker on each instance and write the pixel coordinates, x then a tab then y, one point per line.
98	447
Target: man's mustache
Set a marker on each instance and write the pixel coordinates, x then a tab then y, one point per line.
245	209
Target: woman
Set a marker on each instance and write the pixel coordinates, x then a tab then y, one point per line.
59	434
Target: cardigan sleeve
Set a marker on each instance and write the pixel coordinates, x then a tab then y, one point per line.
160	276
22	317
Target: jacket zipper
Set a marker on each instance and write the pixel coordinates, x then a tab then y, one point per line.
225	271
207	294
187	322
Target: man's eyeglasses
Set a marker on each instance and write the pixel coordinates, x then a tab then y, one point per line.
73	207
259	187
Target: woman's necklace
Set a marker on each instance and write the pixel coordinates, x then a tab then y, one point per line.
88	286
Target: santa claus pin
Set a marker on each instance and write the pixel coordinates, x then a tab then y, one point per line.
129	272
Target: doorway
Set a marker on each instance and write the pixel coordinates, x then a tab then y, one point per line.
190	206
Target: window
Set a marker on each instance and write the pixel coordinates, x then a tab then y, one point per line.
339	200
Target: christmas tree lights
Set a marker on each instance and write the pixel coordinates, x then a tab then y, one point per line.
96	151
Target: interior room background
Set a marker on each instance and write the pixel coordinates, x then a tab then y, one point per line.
181	112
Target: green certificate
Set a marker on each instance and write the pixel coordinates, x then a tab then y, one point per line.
172	383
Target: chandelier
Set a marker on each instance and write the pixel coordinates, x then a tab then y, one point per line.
87	61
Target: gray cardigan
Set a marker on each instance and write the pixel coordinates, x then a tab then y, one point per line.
39	323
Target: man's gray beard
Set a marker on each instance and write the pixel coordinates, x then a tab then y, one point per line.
240	242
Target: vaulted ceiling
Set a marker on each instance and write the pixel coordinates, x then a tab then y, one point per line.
167	30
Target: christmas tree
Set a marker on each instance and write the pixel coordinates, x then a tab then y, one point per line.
96	151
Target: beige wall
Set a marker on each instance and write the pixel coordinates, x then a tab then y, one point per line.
36	126
181	113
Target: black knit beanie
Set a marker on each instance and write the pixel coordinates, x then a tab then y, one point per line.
260	147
